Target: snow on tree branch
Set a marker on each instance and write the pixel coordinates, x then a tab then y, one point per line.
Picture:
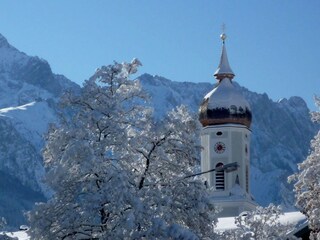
113	170
307	182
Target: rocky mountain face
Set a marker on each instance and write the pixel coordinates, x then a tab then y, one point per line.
28	95
29	91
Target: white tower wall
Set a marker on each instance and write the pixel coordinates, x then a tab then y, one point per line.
228	143
236	142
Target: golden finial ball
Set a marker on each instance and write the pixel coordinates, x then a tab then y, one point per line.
223	36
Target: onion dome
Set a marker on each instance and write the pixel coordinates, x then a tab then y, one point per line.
225	103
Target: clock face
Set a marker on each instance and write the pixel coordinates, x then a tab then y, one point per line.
219	147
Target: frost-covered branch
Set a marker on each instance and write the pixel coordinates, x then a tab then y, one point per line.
260	224
307	181
103	159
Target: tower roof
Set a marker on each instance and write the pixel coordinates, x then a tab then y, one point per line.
224	70
225	103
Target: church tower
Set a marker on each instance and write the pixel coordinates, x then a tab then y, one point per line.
225	137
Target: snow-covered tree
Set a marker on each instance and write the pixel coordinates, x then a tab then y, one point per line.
115	173
260	224
307	186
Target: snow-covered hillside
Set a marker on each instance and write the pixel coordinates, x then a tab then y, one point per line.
29	92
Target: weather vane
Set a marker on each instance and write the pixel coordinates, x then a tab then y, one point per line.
223	28
223	36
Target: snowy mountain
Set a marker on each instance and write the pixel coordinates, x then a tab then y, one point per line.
29	92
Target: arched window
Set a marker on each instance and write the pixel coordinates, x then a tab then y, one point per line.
219	178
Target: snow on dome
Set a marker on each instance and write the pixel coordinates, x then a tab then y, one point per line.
224	95
225	104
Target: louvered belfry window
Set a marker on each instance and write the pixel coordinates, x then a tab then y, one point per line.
219	178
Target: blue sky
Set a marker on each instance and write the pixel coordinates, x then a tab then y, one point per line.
273	46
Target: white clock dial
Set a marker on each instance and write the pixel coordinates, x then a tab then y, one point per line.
219	147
